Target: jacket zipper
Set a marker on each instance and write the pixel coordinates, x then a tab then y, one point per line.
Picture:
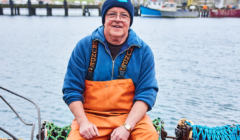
113	61
117	56
111	58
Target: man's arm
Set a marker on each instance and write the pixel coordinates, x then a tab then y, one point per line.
86	129
137	112
145	95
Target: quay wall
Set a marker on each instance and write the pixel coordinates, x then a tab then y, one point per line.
15	8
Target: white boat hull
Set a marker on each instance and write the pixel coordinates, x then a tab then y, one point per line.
179	14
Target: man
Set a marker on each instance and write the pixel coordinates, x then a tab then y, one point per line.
110	82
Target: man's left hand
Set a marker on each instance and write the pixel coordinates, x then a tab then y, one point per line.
120	133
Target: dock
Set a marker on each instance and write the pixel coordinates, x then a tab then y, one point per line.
15	8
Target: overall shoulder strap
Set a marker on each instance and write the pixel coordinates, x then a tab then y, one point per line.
123	67
93	60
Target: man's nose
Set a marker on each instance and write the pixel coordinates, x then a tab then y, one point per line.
118	18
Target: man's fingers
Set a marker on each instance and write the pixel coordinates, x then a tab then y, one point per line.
89	134
96	130
85	134
113	135
92	132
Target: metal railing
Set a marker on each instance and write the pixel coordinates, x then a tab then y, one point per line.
33	125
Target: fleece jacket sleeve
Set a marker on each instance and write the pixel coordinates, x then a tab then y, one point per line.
146	87
74	81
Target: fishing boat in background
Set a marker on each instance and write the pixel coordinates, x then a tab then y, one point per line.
222	10
168	9
171	10
224	13
151	9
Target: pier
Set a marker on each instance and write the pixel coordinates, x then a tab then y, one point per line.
15	8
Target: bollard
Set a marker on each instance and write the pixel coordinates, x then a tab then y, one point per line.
65	8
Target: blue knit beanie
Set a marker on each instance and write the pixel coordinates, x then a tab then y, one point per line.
125	4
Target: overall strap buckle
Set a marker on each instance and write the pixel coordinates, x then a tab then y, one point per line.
93	61
123	68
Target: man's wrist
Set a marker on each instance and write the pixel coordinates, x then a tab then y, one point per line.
81	120
127	126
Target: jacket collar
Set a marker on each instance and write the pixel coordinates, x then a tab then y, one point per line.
133	39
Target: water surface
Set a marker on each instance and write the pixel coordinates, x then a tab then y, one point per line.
197	67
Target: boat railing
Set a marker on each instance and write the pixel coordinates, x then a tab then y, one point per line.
31	124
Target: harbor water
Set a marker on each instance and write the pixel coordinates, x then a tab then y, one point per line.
197	64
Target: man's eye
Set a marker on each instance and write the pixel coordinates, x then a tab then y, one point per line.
112	14
123	15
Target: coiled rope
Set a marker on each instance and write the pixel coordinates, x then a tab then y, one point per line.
228	132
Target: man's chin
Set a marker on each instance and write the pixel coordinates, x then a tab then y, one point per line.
114	34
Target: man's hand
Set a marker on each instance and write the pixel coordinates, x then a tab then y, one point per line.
120	133
88	130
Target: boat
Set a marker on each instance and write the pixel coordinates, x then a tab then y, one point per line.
49	131
170	10
185	129
224	13
151	9
221	11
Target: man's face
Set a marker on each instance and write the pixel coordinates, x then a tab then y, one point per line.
117	28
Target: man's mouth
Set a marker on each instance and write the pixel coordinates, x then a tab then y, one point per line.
117	26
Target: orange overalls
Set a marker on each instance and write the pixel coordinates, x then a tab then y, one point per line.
107	104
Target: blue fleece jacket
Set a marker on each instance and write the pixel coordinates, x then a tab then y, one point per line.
141	67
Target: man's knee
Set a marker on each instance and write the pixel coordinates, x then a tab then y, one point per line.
151	134
143	134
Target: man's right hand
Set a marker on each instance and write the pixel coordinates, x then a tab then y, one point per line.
88	130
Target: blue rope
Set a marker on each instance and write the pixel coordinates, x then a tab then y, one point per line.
227	132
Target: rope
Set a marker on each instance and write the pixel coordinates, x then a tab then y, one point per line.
228	132
57	133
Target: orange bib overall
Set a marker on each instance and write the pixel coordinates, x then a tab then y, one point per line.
107	105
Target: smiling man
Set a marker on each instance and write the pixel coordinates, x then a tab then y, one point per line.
110	81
